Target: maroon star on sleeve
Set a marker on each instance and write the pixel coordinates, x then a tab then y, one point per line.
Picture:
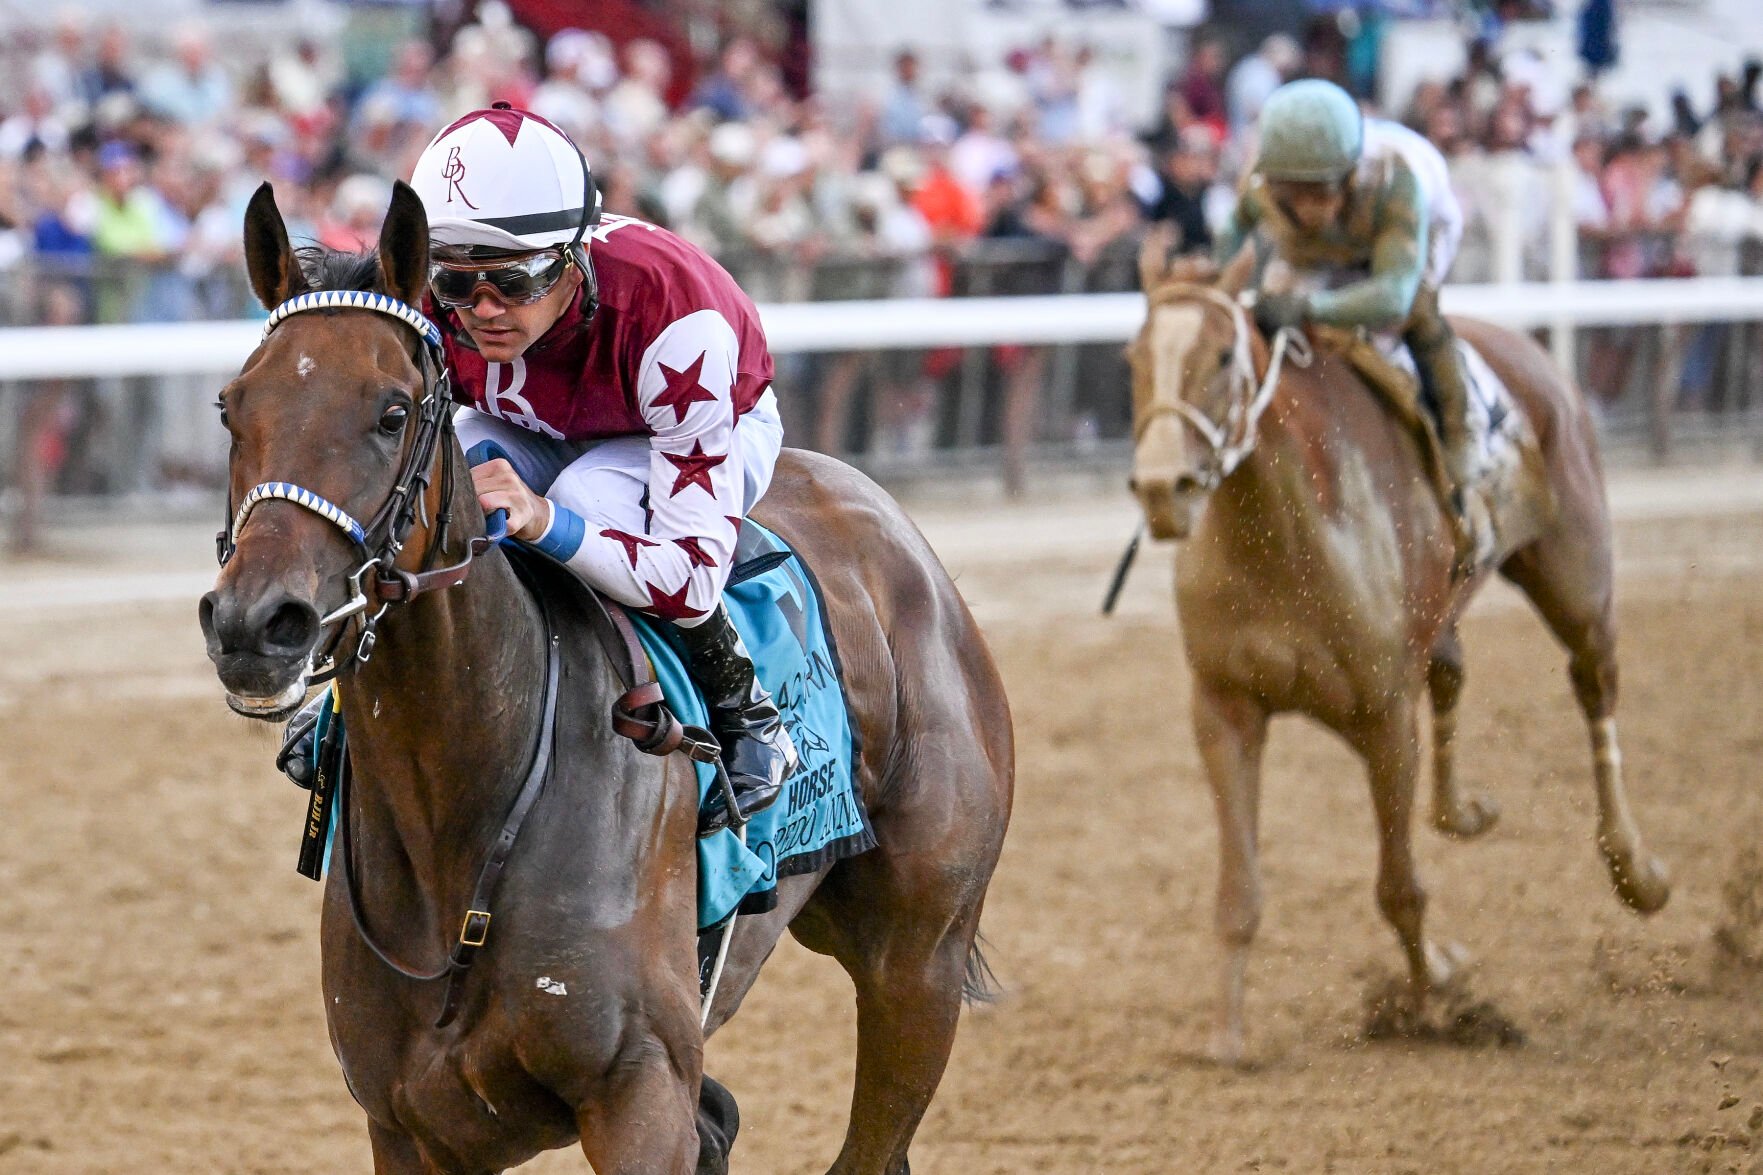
694	469
631	542
683	389
671	605
694	549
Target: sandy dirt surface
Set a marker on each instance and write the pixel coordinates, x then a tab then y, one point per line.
160	1006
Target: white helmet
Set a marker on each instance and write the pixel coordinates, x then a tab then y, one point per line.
505	179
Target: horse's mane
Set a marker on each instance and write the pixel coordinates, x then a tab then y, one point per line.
337	269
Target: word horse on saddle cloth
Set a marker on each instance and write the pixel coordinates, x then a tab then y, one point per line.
775	602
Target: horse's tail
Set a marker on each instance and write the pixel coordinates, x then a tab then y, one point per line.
979	985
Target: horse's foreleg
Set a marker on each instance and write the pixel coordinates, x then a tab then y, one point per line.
1452	813
396	1153
642	1119
1231	729
1569	583
1392	752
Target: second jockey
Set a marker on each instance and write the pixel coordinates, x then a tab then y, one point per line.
617	400
1335	191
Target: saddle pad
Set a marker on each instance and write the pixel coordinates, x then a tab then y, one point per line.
1494	422
775	604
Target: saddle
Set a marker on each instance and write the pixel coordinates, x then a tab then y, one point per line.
1475	520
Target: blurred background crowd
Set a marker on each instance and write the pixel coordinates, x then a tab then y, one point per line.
126	160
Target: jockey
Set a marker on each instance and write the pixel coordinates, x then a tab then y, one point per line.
617	400
1334	190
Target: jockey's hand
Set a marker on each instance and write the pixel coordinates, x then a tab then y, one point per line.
1275	310
500	488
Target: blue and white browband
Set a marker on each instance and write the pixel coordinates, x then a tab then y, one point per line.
289	492
357	300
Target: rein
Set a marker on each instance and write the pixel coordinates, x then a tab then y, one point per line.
399	513
474	929
1250	392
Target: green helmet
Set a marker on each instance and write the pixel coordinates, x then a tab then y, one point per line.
1311	132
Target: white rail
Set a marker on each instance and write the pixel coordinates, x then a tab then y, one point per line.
215	347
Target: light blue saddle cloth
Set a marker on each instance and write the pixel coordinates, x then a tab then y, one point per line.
775	605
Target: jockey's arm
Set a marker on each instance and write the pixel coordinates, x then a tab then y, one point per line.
1398	263
677	568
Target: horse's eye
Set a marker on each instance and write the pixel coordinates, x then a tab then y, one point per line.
224	422
1224	357
393	418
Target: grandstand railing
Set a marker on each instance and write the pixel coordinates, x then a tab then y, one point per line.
909	387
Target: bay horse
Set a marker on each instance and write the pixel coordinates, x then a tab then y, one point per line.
580	1020
1316	577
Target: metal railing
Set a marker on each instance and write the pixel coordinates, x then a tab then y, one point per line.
994	383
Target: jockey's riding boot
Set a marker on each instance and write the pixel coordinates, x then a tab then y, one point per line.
757	751
295	759
1434	344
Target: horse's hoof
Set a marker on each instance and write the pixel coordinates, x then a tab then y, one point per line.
1646	889
1468	819
1445	966
1225	1048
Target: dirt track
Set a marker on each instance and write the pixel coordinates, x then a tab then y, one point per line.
159	967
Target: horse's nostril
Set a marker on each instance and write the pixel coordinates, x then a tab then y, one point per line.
1187	483
292	628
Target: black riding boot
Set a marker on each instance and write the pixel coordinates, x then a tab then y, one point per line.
756	749
295	759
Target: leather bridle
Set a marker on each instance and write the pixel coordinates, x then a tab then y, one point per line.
1229	443
378	580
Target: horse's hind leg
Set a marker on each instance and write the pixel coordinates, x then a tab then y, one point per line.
1231	729
908	972
1568	580
1391	747
902	919
1452	813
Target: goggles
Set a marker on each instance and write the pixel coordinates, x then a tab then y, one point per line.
519	281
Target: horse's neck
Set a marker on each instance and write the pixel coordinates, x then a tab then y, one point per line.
443	719
1269	508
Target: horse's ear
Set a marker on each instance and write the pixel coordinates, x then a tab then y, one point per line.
404	246
275	272
1154	255
1235	277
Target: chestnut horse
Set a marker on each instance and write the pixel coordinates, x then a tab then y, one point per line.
1317	577
580	1019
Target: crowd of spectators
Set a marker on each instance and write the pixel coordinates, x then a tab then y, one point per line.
125	168
132	154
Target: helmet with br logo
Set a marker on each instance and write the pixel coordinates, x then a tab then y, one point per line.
506	180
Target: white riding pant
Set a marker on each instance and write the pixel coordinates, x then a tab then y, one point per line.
607	481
